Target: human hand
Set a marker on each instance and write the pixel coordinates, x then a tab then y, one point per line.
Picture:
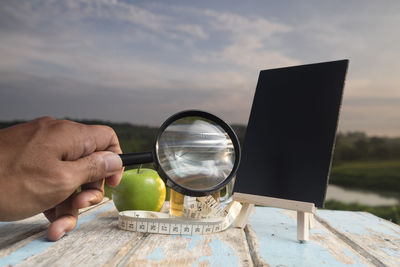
45	161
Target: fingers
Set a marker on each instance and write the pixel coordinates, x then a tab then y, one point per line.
65	219
61	226
91	194
114	179
50	214
64	216
81	140
96	167
83	153
88	155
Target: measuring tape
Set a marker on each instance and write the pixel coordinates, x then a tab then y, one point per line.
204	216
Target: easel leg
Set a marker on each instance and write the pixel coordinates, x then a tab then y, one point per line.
303	226
311	223
244	215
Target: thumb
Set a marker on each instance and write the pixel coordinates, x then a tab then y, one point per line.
96	166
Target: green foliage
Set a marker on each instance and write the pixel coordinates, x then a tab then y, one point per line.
391	213
107	191
370	175
356	146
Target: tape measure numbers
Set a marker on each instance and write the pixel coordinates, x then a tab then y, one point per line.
204	216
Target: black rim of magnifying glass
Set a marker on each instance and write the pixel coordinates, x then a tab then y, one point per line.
205	115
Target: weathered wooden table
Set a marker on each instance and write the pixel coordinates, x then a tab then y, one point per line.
338	238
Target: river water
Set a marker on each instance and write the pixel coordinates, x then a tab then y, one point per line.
362	197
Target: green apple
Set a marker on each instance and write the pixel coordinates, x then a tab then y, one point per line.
139	189
107	191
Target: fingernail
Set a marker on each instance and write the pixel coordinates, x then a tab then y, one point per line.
113	162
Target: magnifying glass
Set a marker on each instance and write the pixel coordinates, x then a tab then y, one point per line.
195	153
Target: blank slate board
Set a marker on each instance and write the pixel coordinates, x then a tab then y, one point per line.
291	131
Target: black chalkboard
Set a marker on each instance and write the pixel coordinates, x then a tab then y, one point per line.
289	141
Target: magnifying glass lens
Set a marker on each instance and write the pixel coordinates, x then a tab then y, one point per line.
196	153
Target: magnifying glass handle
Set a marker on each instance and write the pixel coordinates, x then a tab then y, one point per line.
136	158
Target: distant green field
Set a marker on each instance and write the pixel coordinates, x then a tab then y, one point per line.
391	213
378	175
369	175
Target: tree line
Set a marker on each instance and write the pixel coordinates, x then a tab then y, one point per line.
356	146
350	146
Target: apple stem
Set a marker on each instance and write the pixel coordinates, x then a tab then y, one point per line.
138	170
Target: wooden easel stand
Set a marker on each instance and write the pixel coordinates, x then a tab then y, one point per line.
305	211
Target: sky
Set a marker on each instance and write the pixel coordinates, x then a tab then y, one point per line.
142	61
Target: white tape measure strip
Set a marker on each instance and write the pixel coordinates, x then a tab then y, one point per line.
203	217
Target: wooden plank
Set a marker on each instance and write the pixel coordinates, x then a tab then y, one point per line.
228	248
311	220
275	202
13	232
98	241
271	235
95	240
342	239
376	238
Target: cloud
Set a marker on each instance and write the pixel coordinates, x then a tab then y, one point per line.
85	52
102	102
72	57
247	41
